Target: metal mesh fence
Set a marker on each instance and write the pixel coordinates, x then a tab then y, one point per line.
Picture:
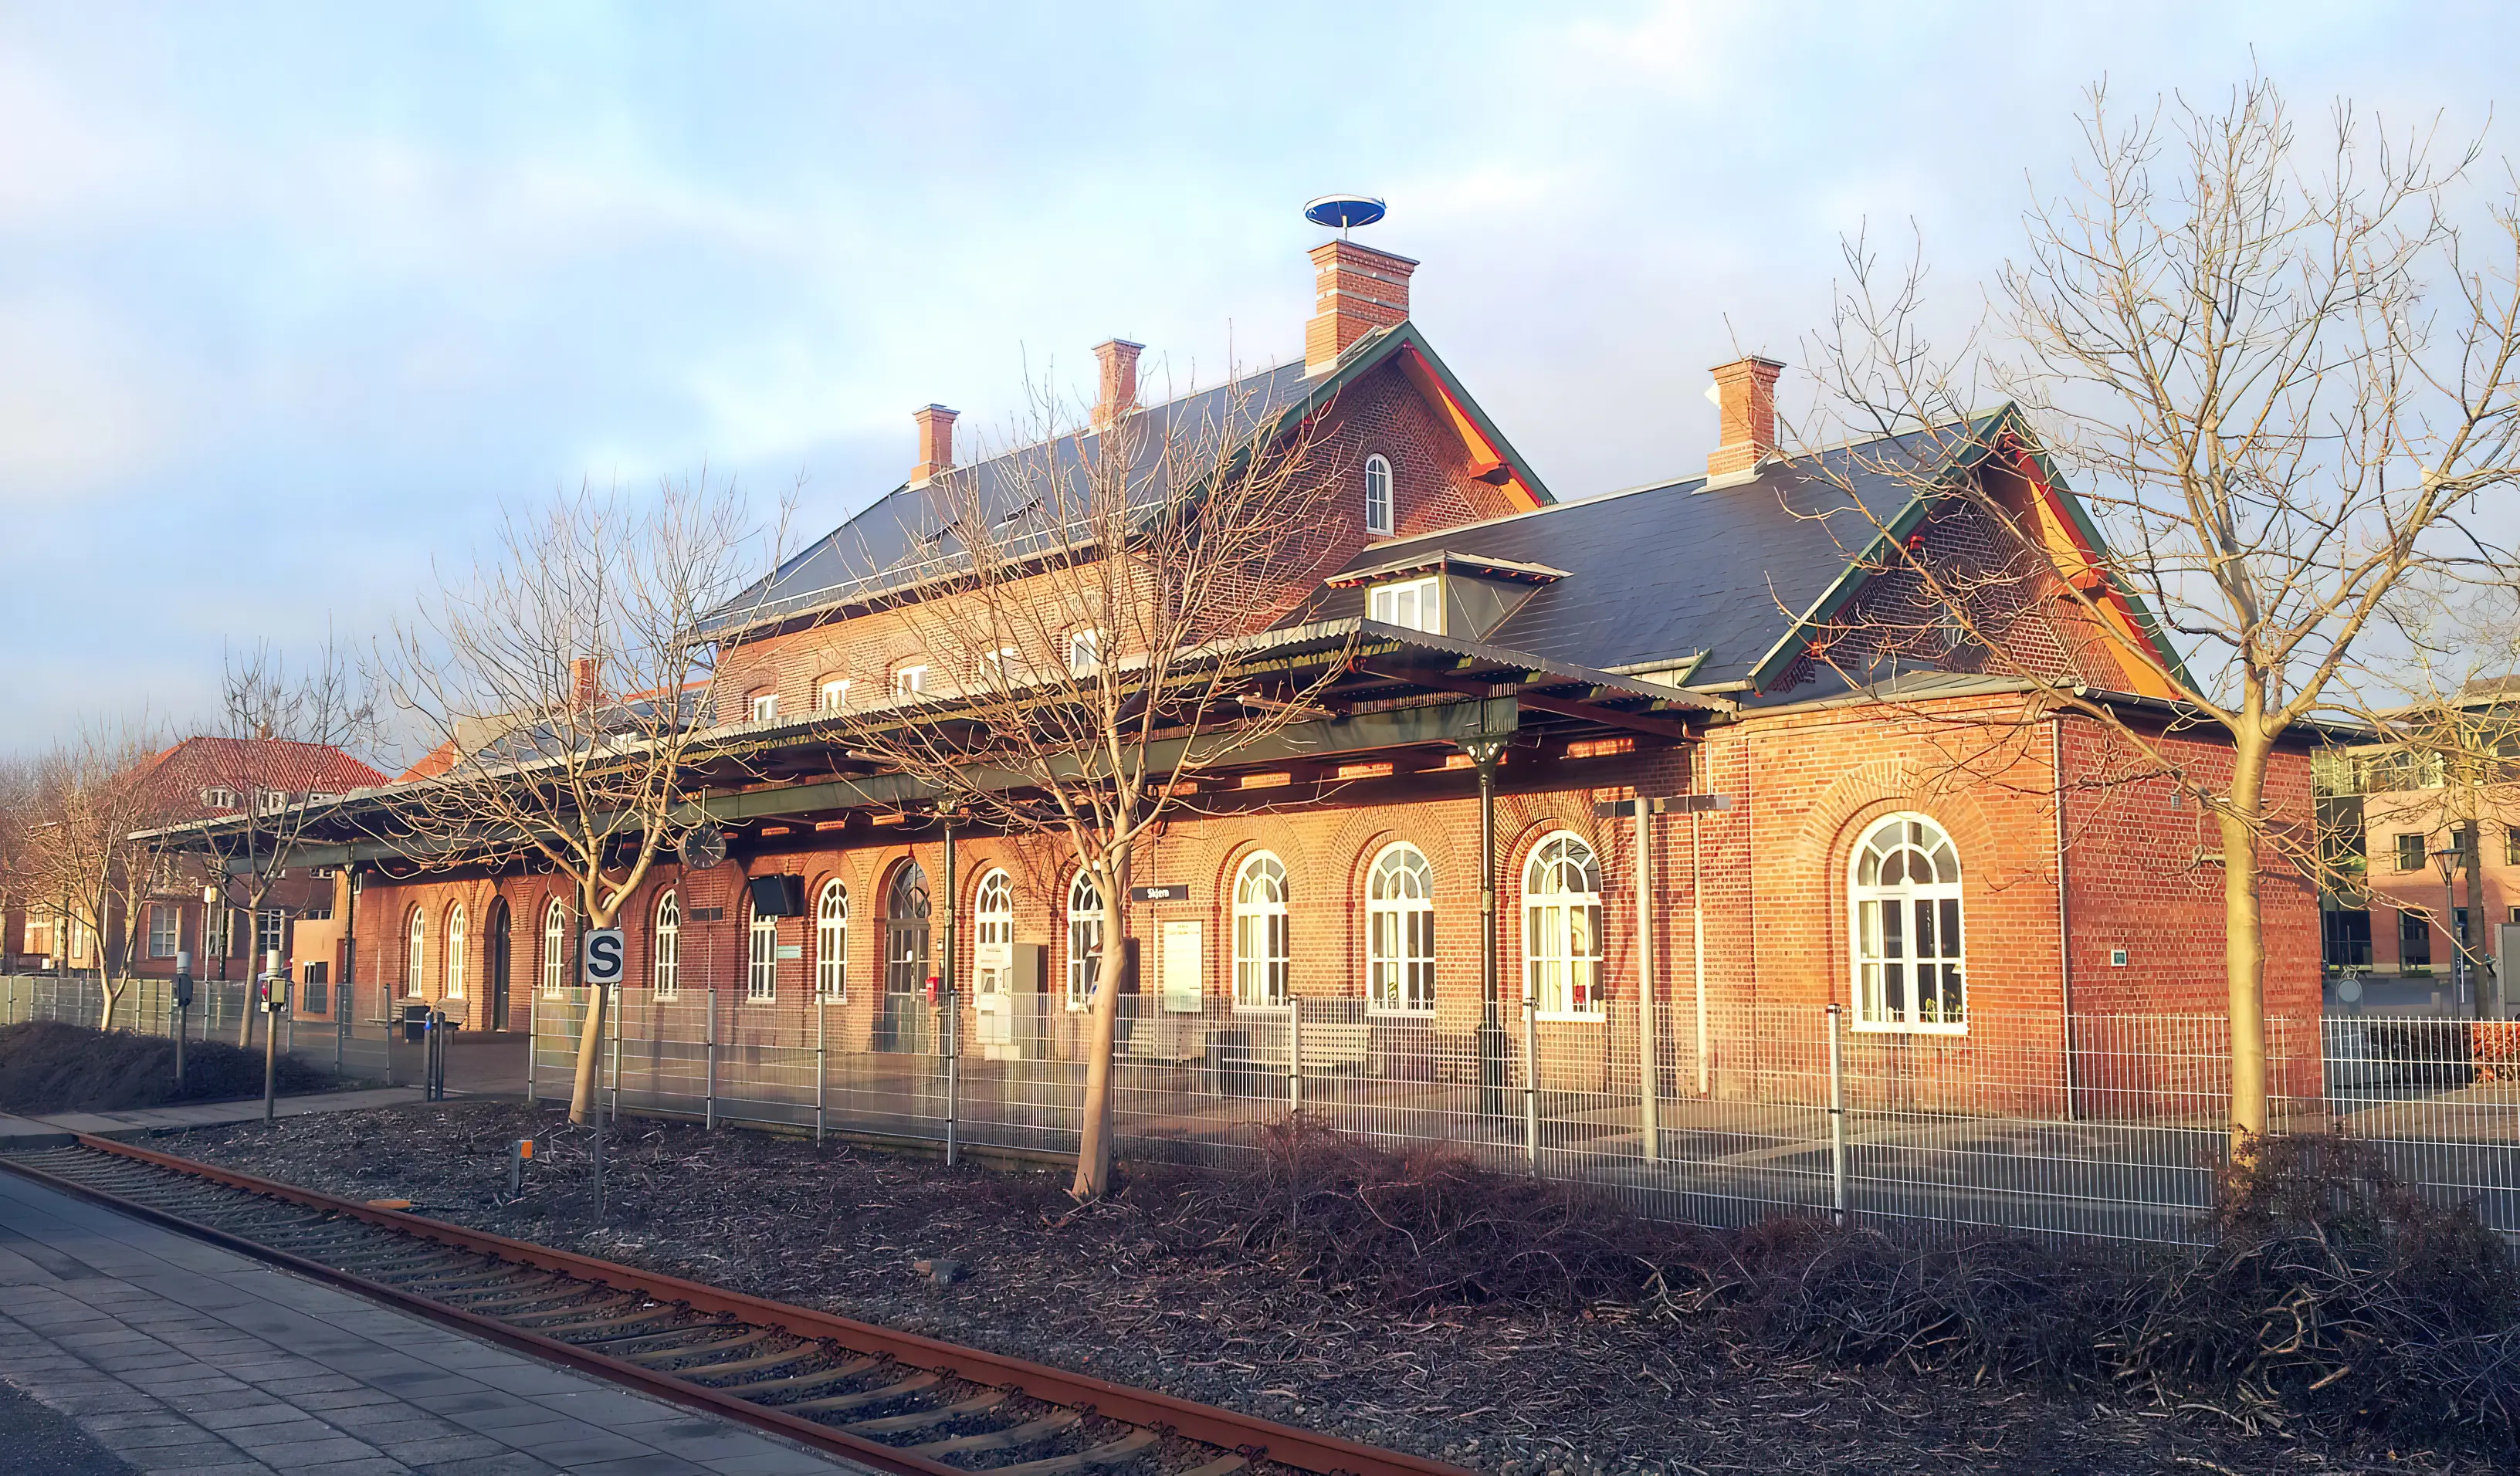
341	1040
1764	1109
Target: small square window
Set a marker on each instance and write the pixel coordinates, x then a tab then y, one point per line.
2117	958
833	696
2411	853
1084	653
910	680
765	706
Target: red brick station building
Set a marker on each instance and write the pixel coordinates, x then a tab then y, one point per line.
1951	861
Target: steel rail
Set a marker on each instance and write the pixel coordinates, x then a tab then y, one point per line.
1228	1430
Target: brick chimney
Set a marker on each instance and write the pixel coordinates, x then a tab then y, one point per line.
582	689
1357	290
1117	392
935	443
1745	392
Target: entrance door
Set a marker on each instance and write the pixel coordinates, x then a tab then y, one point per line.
904	1024
498	961
993	961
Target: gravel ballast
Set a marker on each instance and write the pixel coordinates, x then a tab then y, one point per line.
1519	1391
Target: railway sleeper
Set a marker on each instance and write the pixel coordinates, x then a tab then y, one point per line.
813	1379
865	1399
777	1358
657	1358
927	1420
1012	1437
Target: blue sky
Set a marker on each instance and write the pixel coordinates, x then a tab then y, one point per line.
292	298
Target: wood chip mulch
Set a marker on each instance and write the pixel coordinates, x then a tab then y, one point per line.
1519	1392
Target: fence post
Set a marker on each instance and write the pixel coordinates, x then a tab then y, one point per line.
821	1075
953	1076
1836	1118
708	1083
1295	1056
534	1049
1530	1077
612	1011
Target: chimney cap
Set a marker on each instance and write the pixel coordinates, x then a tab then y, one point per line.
1746	360
1118	344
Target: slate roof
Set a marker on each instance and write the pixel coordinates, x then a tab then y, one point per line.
896	543
1668	570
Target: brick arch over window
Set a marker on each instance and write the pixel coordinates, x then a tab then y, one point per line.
1815	848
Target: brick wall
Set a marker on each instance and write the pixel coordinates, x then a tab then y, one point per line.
1772	870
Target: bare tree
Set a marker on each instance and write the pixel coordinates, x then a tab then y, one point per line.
567	686
2281	371
266	712
21	810
92	873
1087	610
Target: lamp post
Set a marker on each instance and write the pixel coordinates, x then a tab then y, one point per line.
2447	860
1484	750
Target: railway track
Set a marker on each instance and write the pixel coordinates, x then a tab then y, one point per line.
890	1400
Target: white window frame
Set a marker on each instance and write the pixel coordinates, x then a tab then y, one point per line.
667	969
555	959
454	952
1087	927
270	801
1380	506
1400	933
1410	603
218	799
1562	930
833	696
165	930
761	958
1262	948
1938	905
765	706
832	942
415	960
1084	652
910	680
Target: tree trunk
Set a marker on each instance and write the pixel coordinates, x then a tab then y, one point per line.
1094	1142
589	1040
2245	948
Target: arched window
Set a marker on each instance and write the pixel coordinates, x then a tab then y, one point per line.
1378	494
455	952
416	964
832	942
1400	931
555	949
1904	886
993	934
669	946
761	958
1260	931
1562	930
1084	938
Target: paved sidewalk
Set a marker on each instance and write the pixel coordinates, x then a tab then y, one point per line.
55	1128
178	1355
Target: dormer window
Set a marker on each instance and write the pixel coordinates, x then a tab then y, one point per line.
910	680
765	706
270	801
1411	604
833	696
218	800
1084	653
1378	494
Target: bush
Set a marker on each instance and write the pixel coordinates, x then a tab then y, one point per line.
46	1066
2326	1291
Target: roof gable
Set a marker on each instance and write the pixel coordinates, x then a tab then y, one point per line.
1730	577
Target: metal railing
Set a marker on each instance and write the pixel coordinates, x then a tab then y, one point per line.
2115	1133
